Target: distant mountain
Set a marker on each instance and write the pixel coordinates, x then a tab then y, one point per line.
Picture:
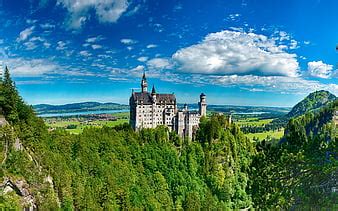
78	107
96	106
313	101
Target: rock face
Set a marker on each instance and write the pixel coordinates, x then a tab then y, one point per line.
3	121
21	188
17	145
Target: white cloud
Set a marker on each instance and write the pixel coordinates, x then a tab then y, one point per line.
320	69
151	46
30	45
139	68
234	17
283	35
159	64
142	59
25	34
272	84
47	44
47	26
94	39
30	21
293	44
281	84
61	45
128	41
134	10
85	44
85	53
33	39
31	68
107	11
228	52
96	46
34	42
178	7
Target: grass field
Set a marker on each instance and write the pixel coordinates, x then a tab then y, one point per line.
253	121
273	134
256	122
80	125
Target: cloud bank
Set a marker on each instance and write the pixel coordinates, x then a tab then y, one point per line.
231	52
319	69
107	11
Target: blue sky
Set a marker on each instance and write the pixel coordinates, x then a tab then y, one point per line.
239	52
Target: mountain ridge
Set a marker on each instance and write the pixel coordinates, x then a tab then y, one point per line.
75	107
313	101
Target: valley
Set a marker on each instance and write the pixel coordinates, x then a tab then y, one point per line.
76	122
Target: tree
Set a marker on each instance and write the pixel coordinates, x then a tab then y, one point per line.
11	98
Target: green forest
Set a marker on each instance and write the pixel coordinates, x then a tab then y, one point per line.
114	168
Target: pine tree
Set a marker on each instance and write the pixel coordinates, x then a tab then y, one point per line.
10	98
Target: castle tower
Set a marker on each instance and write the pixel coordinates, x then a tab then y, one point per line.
144	84
153	94
203	105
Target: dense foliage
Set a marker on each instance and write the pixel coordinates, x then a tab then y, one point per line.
301	171
151	169
261	129
111	168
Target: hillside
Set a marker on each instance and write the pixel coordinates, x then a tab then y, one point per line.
118	168
302	166
313	101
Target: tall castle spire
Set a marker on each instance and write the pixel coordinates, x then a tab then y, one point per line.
153	91
144	84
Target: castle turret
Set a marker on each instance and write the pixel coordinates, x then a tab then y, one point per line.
153	94
203	105
144	84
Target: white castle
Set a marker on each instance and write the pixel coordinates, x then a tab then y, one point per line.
148	110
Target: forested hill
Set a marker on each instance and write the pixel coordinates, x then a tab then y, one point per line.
118	168
312	124
302	169
313	101
78	107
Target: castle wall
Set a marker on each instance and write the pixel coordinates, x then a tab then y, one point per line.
186	123
150	116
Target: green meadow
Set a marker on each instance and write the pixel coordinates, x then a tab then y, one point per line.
277	134
77	126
